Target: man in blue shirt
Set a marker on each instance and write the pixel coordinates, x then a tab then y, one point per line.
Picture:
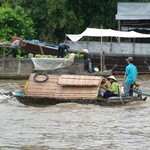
129	77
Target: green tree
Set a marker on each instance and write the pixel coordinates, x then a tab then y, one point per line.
54	18
38	11
15	22
95	13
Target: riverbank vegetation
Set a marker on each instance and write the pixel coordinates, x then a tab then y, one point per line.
50	20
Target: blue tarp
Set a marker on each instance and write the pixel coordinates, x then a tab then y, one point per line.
34	41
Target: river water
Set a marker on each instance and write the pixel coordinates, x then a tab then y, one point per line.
73	126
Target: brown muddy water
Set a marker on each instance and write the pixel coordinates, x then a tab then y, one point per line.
73	126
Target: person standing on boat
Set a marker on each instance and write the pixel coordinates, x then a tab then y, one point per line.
113	90
15	46
87	61
62	50
129	77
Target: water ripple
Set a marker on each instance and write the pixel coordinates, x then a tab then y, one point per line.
74	126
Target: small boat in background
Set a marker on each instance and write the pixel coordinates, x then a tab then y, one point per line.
38	47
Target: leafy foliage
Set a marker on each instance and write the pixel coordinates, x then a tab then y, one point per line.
54	18
14	22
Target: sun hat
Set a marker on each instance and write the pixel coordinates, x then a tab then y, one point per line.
112	77
129	59
86	51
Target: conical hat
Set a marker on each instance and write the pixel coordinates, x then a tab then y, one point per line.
112	77
86	51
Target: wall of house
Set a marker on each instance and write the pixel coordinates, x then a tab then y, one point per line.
13	68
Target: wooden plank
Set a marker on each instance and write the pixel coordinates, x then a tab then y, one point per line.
64	97
64	90
76	80
58	95
46	88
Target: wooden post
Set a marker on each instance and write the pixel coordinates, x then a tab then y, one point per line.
4	56
41	49
111	45
133	46
103	61
101	54
4	52
119	28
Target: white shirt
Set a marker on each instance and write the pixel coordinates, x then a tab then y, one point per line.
15	44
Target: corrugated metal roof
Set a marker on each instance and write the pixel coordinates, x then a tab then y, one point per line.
52	89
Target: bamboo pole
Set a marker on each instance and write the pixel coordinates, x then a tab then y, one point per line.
4	52
41	49
4	56
101	54
104	67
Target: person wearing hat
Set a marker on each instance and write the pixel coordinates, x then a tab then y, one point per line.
113	90
87	61
129	77
62	50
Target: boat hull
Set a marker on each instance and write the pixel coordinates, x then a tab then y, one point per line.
110	59
38	49
34	101
42	49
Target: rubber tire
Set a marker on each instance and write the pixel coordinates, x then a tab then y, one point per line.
38	74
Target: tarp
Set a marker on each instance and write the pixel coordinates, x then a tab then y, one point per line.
93	32
5	44
133	11
34	41
52	63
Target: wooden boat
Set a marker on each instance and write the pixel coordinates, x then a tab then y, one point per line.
37	47
119	59
110	60
43	49
45	89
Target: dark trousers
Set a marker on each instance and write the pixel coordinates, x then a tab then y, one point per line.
14	52
88	65
61	53
108	94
